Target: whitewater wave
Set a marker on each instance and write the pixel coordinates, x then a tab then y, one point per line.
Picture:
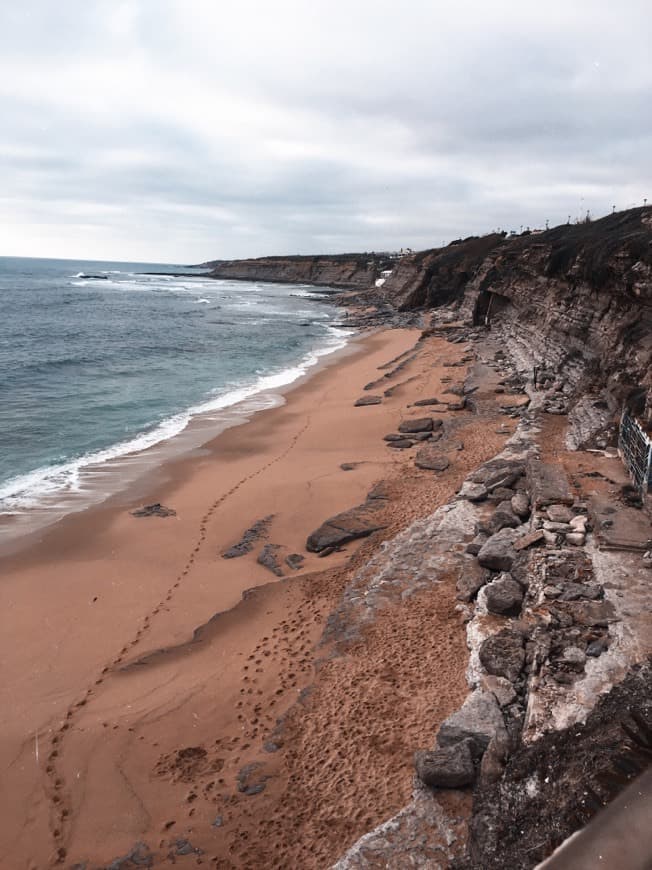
61	485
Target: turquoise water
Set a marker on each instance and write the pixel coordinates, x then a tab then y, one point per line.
93	369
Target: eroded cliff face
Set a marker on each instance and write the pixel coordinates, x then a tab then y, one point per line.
575	301
344	271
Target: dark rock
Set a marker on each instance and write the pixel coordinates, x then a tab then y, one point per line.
139	856
521	505
295	561
249	538
430	458
574	658
503	518
367	400
472	578
478	719
154	510
268	558
358	522
577	591
548	484
503	655
185	847
459	405
474	546
349	466
380	491
250	781
402	444
448	767
597	647
393	437
498	553
421	424
422	436
502	690
422	402
504	597
218	822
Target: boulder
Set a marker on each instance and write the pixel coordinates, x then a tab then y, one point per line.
358	522
473	491
501	689
422	436
431	458
559	513
548	484
577	539
367	400
498	553
504	597
393	437
574	658
521	505
448	767
478	720
503	518
457	405
577	591
493	761
503	655
420	424
472	578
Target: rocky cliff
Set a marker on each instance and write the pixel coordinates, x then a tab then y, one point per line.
574	301
344	271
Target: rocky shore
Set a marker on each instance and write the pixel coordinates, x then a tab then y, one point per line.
404	620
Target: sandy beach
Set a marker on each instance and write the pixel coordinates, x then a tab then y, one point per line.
155	692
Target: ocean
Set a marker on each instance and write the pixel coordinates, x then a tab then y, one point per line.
100	362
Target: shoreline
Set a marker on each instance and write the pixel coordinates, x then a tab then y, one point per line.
21	530
103	590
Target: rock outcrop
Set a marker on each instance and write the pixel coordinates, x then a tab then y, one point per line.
344	271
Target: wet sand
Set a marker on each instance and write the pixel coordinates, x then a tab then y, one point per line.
119	725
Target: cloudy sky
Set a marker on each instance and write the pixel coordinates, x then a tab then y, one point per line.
183	130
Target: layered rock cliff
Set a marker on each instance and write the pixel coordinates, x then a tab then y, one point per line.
344	271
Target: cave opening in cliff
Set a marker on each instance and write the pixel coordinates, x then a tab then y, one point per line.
487	306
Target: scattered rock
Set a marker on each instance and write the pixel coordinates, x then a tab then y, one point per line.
218	822
249	538
478	719
429	458
358	522
448	767
185	847
498	553
559	513
295	561
473	491
521	505
502	689
471	579
597	647
503	518
529	539
154	510
250	781
548	484
268	558
474	546
422	402
504	597
503	655
420	424
401	444
367	400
